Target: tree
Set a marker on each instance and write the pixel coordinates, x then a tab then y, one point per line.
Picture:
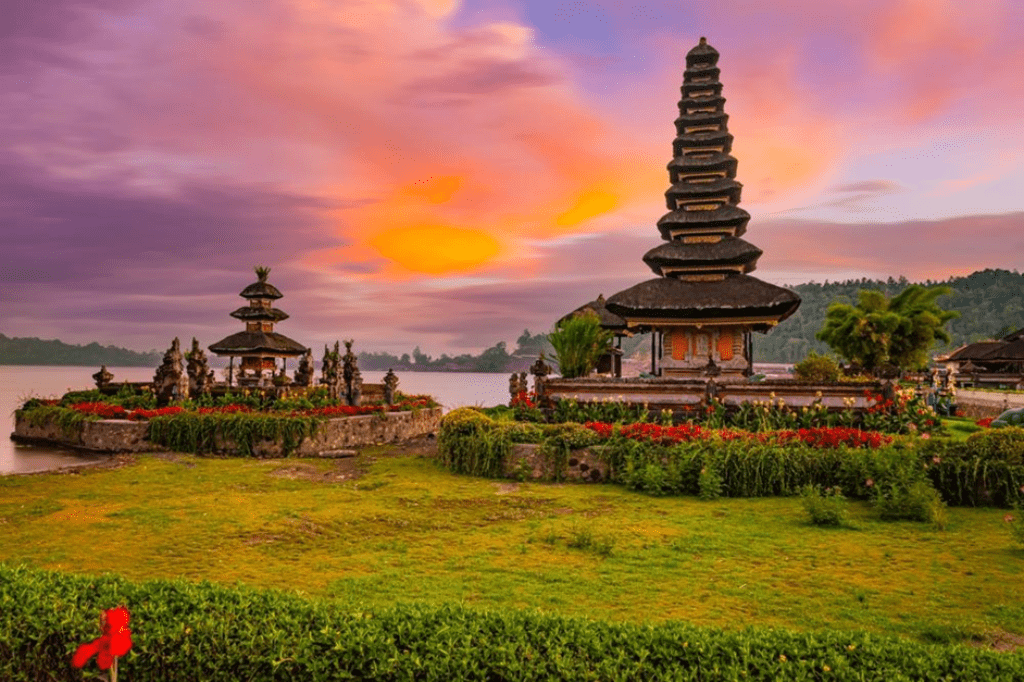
878	330
578	342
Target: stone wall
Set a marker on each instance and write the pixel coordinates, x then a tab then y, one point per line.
980	404
674	394
526	461
119	435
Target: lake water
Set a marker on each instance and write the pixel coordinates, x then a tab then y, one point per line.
18	383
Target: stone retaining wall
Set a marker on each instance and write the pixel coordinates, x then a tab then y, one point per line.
120	435
980	404
526	461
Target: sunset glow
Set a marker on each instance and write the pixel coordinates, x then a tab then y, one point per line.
446	173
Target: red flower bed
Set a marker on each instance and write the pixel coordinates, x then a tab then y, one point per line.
986	422
140	414
101	410
226	409
670	435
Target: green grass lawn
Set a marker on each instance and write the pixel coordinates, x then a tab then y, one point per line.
409	531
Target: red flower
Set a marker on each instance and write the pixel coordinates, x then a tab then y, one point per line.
115	641
1008	518
985	423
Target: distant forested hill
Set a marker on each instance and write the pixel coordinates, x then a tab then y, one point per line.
32	351
990	303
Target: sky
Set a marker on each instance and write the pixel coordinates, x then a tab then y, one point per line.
446	173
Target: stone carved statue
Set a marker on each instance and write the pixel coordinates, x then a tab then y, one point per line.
711	391
102	377
390	387
711	369
170	381
350	371
517	384
355	390
349	361
200	376
539	370
935	377
304	374
331	372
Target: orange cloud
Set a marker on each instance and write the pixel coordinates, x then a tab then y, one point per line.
589	204
435	189
436	249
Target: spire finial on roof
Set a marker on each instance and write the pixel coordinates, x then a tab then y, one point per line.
703	40
262	272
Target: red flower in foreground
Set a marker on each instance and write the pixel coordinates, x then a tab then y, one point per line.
116	640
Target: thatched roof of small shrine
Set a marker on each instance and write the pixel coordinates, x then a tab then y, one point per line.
261	289
251	343
608	319
253	314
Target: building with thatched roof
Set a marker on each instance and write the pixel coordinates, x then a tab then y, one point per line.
259	345
1004	356
703	305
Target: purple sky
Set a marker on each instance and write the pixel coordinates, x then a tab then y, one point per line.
445	174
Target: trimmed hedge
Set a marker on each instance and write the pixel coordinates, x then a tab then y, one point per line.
200	631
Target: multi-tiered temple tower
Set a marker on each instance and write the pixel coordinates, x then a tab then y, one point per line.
703	305
259	345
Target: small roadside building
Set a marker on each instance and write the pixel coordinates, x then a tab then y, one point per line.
259	346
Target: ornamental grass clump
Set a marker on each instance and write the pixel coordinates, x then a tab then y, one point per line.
825	507
578	342
470	442
910	500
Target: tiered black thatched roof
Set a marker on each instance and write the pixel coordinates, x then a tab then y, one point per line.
668	298
704	265
260	313
726	253
264	340
251	343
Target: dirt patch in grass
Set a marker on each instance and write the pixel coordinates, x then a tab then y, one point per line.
355	467
1000	640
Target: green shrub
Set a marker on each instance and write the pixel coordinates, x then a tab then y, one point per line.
208	433
913	501
709	484
470	442
826	508
817	369
184	631
1004	445
976	472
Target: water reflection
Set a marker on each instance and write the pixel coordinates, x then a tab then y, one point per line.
28	459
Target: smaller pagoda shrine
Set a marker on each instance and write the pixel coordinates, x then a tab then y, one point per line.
259	345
